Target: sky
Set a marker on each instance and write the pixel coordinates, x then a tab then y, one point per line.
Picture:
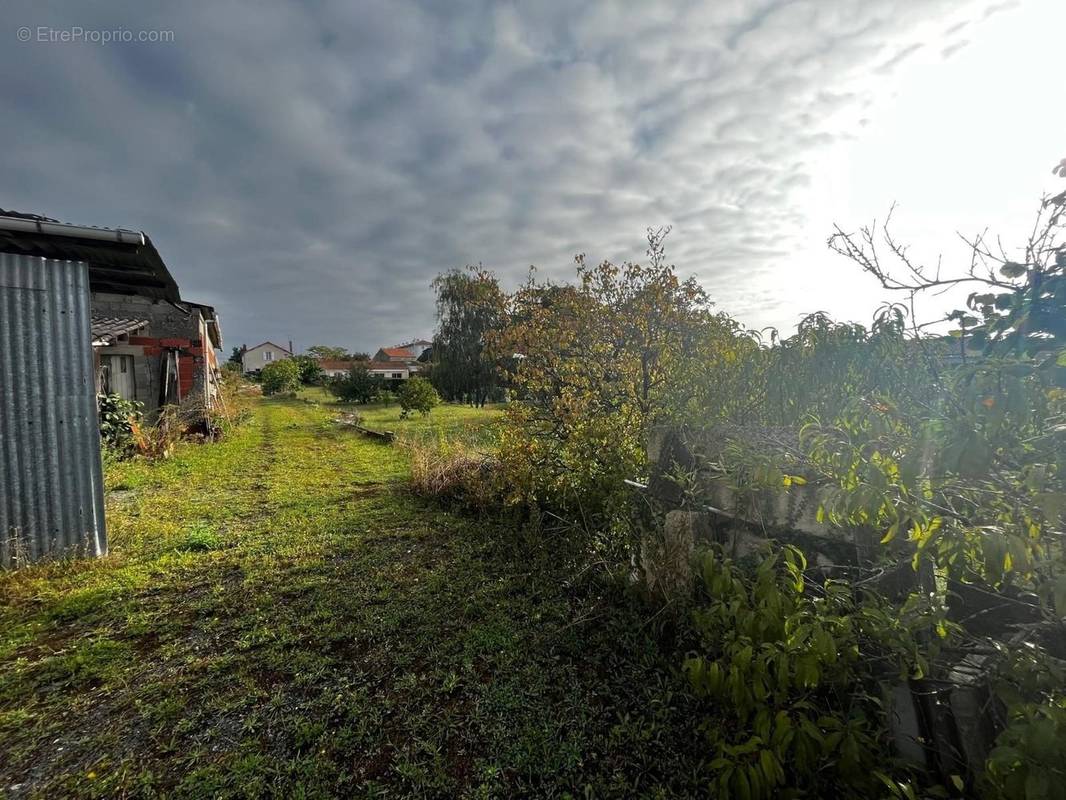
309	167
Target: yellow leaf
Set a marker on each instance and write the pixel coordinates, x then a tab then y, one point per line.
891	534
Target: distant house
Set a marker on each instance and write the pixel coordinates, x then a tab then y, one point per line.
391	370
407	353
253	359
334	368
401	361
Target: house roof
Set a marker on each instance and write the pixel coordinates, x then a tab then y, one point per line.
283	349
398	352
120	261
386	366
105	330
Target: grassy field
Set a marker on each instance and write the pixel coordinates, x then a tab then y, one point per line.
451	421
280	617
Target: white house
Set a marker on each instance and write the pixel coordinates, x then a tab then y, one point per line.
391	370
255	358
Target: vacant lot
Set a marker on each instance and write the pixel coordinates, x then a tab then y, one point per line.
279	617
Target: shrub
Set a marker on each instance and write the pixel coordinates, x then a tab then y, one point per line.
118	422
417	394
598	361
279	377
792	668
358	386
310	370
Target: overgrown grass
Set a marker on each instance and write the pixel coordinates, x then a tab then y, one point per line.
280	616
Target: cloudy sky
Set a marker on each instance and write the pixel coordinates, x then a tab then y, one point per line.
308	167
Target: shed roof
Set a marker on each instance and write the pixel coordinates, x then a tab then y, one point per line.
120	261
106	330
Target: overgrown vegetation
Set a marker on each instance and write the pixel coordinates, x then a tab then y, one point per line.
948	449
119	419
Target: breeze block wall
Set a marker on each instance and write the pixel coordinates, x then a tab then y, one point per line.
169	328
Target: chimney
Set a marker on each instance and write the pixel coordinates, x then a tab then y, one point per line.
290	346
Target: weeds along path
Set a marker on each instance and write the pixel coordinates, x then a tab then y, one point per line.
280	617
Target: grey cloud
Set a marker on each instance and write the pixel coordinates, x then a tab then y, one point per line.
310	167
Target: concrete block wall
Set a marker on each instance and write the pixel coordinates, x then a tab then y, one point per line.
169	327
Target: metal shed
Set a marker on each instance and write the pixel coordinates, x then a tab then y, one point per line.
51	482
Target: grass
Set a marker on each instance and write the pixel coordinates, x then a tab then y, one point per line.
448	420
280	616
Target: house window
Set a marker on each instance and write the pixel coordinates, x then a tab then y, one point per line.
397	374
116	376
268	355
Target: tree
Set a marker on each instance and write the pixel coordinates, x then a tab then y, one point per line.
310	370
358	386
281	376
236	356
417	394
470	306
596	366
328	353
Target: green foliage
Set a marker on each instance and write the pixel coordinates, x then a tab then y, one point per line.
1021	306
1028	759
236	356
310	370
596	367
358	386
280	377
794	666
118	422
417	394
470	309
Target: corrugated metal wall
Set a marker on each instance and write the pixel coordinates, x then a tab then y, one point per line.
51	483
